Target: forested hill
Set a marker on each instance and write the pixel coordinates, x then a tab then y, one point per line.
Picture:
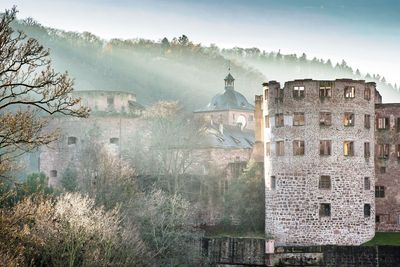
177	68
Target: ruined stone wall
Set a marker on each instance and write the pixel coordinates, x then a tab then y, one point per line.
293	206
99	100
387	169
227	117
58	155
227	251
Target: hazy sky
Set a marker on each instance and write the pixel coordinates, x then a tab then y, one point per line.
365	33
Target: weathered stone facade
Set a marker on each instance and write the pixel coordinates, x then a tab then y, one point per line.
387	167
315	194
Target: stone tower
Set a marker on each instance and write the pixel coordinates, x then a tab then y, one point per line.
319	161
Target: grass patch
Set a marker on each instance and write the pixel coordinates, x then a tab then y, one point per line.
387	238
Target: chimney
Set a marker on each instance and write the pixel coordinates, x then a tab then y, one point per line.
258	117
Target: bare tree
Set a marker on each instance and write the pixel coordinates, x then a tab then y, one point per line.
29	89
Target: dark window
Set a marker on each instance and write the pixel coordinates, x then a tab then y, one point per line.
110	101
280	148
348	119
382	123
298	147
324	182
367	183
382	169
348	148
298	92
298	119
325	147
72	140
53	173
367	94
367	121
398	124
325	118
268	149
367	210
383	151
349	92
266	94
324	210
279	120
114	140
266	121
379	191
273	182
367	152
377	218
398	151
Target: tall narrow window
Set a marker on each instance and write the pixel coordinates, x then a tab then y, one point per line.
367	183
279	120
266	91
379	191
367	152
266	121
398	124
325	147
110	101
349	92
367	121
325	118
298	119
324	210
367	94
367	210
268	149
348	148
348	119
298	148
398	151
324	182
382	123
280	148
273	182
383	151
298	92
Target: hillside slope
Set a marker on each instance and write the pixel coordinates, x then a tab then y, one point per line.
178	69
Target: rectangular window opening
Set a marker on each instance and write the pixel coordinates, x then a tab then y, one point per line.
324	182
325	147
298	119
298	148
348	148
279	120
349	92
324	210
379	191
298	92
348	119
280	148
325	118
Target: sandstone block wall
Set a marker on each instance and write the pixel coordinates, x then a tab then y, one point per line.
293	196
387	169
